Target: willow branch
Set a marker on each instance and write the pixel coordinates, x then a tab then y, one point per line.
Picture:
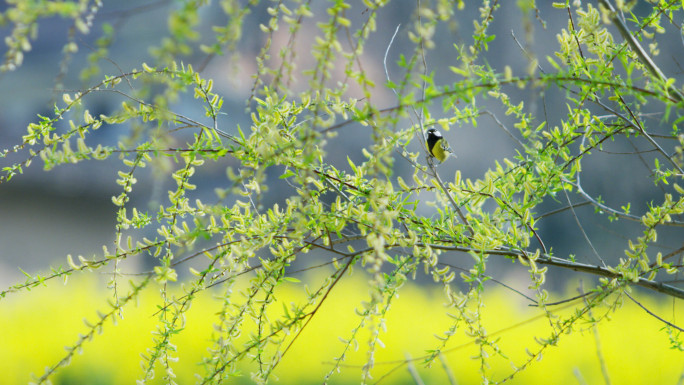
638	49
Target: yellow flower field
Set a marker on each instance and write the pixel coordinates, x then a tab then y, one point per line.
36	326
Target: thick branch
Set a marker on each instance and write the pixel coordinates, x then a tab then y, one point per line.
546	259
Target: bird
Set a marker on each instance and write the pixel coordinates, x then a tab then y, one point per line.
437	146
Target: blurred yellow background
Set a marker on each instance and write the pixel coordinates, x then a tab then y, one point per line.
37	325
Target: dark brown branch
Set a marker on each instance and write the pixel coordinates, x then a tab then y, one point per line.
549	260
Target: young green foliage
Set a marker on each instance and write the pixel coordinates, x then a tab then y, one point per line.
299	195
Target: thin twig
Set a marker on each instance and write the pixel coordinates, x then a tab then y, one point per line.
489	278
584	233
639	128
503	127
597	340
652	314
567	299
451	199
384	60
638	49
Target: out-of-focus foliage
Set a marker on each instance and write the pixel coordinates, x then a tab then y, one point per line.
234	250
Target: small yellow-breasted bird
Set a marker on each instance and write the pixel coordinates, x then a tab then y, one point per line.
437	146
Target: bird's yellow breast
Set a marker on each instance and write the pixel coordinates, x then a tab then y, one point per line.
438	150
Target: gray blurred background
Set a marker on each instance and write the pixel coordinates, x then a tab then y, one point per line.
46	215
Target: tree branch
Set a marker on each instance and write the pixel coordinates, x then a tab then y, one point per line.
638	49
546	259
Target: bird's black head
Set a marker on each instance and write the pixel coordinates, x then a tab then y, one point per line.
435	132
433	135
